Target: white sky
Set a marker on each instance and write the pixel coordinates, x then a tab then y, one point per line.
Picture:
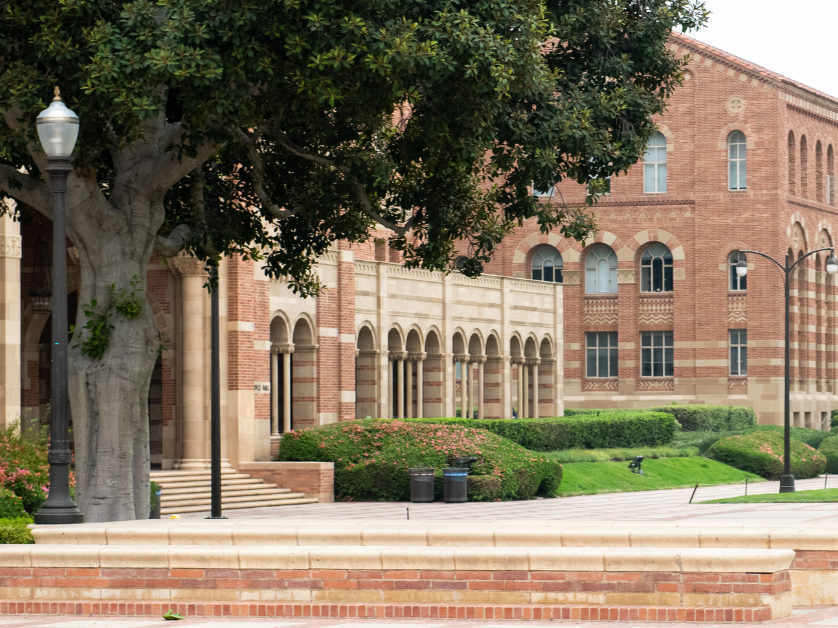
796	39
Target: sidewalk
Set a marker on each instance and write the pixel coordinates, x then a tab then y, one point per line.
664	505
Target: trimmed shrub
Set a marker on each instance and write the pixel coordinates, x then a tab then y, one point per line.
14	531
706	418
11	506
372	459
761	452
607	455
829	448
811	437
608	429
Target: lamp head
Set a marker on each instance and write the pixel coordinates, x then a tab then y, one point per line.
58	128
742	266
831	263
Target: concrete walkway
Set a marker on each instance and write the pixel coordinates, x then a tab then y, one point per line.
664	505
809	617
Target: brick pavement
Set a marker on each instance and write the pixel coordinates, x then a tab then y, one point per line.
664	505
809	617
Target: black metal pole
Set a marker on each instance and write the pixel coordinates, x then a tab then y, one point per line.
59	506
215	404
787	479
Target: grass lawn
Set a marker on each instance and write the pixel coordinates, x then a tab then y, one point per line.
800	497
590	478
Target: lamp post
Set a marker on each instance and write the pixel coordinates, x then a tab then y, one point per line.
787	479
58	129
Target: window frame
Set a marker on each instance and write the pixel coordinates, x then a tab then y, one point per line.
556	268
661	341
611	262
735	283
609	352
738	354
656	165
667	270
740	161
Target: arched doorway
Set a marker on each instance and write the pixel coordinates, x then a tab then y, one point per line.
366	370
303	377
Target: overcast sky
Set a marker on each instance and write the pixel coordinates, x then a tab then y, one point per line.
796	39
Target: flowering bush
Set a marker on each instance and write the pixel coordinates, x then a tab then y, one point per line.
761	452
24	470
372	458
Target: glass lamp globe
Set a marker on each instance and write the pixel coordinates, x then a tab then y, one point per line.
742	266
58	128
831	264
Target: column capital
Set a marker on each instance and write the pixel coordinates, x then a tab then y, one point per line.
518	360
397	355
187	266
478	359
282	348
494	358
10	245
464	358
533	361
416	356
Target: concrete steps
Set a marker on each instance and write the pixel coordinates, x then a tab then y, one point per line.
189	491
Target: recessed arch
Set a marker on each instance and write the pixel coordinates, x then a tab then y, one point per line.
303	334
475	343
279	328
531	347
413	344
516	346
546	348
792	159
492	345
366	337
459	342
395	339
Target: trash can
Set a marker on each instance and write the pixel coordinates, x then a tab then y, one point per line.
421	485
454	485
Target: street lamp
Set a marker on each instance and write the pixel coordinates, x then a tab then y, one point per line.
58	129
787	479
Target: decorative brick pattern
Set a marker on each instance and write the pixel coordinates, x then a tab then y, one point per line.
395	611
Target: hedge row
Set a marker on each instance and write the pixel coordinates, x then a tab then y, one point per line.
761	452
372	459
829	449
707	418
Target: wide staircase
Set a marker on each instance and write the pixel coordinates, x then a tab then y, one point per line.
189	491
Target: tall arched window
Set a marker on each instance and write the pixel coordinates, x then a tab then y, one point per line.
736	282
830	176
819	171
792	168
804	167
656	269
654	164
601	270
547	265
737	161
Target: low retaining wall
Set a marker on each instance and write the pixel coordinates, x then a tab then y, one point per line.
315	479
562	578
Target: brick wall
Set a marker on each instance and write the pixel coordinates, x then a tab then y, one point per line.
315	479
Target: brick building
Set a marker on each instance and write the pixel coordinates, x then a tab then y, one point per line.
647	312
744	159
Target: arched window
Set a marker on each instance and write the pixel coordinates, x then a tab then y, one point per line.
654	165
656	269
819	172
737	161
601	270
792	168
547	265
736	282
830	176
804	167
460	262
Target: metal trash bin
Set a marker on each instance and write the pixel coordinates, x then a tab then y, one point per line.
455	485
422	485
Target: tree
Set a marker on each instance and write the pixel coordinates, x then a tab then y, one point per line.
274	127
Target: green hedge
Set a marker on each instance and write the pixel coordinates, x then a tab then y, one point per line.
609	429
15	531
620	454
761	452
829	448
811	437
372	458
706	418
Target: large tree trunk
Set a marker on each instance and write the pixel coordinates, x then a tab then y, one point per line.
109	396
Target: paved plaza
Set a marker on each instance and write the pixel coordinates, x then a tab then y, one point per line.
809	617
665	505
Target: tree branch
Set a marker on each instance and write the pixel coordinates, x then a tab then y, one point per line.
31	191
169	247
258	175
366	204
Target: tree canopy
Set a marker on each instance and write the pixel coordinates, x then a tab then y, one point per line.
308	121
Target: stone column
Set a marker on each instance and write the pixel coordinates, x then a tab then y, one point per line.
481	382
526	386
408	365
465	390
286	350
476	397
419	358
194	310
462	360
535	362
275	419
520	365
10	254
399	357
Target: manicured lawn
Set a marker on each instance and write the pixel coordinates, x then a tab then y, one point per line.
800	497
590	478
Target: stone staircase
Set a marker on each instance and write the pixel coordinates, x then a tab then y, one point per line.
189	491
